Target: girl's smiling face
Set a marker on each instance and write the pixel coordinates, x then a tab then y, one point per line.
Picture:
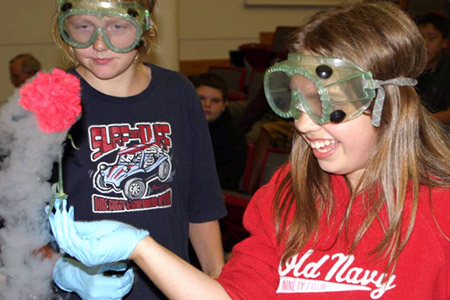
343	148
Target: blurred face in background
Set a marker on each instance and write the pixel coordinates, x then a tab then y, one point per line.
213	102
16	74
435	43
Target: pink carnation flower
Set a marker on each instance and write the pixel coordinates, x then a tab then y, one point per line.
54	98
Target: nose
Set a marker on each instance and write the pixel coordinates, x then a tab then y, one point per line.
305	124
206	102
99	44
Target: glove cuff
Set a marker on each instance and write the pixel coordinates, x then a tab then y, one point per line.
59	276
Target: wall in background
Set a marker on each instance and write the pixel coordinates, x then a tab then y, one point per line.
207	29
25	27
210	28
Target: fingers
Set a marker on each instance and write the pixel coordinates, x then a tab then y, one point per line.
56	226
95	229
71	212
64	230
76	245
126	283
115	266
67	234
111	287
58	222
47	209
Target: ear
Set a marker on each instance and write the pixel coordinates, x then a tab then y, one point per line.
446	46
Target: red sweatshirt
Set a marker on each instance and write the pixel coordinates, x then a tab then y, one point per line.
327	271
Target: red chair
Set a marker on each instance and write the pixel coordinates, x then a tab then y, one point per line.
273	160
232	228
246	176
257	55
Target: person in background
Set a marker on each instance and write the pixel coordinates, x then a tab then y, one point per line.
230	147
22	67
433	86
277	135
144	154
257	112
361	209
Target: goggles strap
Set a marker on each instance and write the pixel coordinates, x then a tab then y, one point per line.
381	93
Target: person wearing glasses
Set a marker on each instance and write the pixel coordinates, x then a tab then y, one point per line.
144	153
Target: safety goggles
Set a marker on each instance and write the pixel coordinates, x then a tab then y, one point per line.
120	24
327	89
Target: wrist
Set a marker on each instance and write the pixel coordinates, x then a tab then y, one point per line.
140	249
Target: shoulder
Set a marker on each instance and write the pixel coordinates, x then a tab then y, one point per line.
264	198
225	124
435	197
444	65
169	77
433	211
445	60
175	86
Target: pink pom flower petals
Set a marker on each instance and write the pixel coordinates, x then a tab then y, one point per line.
54	98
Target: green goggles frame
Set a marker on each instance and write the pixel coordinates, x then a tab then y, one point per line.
131	11
299	64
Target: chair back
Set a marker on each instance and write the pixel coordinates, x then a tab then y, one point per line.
256	55
255	82
233	230
234	78
246	176
273	160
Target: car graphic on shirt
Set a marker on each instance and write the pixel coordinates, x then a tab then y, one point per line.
134	168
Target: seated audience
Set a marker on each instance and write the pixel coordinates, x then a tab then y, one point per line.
277	134
230	148
257	112
433	86
22	67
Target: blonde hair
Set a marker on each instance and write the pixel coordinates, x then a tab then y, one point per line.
148	40
411	148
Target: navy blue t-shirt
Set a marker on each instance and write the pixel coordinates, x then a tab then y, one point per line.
145	160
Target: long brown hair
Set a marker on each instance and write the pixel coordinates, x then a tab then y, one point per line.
411	148
148	40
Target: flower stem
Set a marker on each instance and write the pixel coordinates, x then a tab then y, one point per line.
61	193
57	188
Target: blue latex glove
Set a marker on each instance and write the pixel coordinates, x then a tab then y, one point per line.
93	243
89	282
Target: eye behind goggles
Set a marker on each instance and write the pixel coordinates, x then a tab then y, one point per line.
327	89
127	22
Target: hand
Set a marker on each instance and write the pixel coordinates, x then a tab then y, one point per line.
93	243
89	282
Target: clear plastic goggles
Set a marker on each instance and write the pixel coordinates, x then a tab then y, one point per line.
120	24
327	89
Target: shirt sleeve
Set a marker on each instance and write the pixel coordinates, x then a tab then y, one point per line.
252	272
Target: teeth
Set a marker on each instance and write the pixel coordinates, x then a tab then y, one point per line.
320	144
